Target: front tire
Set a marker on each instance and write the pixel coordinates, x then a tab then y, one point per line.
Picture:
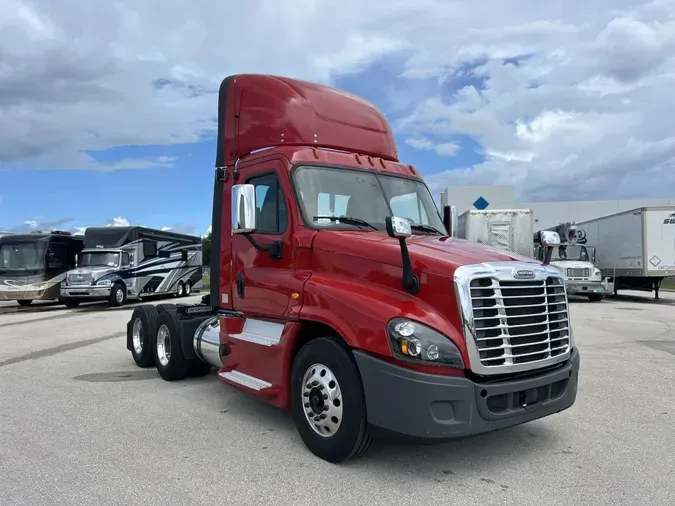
25	302
595	297
327	401
118	295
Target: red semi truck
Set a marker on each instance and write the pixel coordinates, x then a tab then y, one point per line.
338	292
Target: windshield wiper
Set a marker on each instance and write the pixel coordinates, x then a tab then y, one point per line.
425	228
347	219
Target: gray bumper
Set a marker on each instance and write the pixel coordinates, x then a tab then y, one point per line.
582	287
85	292
427	406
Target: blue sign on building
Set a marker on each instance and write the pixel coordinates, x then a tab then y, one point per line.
481	204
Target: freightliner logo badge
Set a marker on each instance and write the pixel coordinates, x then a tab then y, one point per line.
523	274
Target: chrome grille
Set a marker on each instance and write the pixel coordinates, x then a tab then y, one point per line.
578	273
79	279
517	322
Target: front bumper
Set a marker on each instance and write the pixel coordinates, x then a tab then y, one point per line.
427	406
584	287
85	292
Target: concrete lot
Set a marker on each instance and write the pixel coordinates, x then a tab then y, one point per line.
81	424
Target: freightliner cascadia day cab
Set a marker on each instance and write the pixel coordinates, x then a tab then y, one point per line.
336	291
33	265
120	263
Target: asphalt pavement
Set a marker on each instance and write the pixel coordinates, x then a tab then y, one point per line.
80	424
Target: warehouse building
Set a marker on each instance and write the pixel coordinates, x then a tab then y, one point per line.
546	214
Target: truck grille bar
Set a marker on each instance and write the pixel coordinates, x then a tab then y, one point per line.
513	324
578	273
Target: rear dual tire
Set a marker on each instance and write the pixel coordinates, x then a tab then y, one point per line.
168	355
143	328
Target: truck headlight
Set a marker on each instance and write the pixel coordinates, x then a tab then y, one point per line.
104	282
597	273
411	340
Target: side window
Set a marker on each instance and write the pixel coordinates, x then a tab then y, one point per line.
125	259
409	206
149	248
57	257
272	215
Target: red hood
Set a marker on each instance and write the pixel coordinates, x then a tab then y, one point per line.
359	273
429	254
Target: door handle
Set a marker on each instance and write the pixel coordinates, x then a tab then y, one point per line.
240	285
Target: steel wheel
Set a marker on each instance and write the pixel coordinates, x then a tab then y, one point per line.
163	345
322	400
137	336
119	296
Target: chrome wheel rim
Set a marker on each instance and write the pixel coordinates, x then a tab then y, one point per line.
180	289
137	336
322	400
119	295
188	288
163	345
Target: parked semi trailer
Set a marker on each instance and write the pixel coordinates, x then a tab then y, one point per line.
336	291
636	248
33	265
120	263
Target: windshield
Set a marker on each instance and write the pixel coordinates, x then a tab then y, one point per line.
23	256
367	196
100	259
577	253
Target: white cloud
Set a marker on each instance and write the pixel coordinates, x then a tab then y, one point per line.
562	100
118	222
441	149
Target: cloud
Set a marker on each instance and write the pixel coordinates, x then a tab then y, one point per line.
572	100
441	149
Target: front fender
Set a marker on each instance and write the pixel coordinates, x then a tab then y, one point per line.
359	311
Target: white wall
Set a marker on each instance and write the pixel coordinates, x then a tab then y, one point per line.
546	214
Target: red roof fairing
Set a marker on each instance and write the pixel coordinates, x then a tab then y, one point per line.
278	111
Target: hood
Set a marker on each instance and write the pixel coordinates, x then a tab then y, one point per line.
430	254
87	272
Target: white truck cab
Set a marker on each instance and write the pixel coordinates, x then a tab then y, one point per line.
576	264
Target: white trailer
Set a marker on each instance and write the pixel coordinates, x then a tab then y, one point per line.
507	229
636	248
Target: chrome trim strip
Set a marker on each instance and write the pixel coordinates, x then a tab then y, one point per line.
245	380
260	332
502	271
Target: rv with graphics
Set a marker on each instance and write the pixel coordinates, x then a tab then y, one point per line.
33	265
338	293
120	263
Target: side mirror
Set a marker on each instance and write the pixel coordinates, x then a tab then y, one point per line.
243	209
450	220
398	227
548	238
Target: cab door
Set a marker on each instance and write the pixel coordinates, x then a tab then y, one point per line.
260	279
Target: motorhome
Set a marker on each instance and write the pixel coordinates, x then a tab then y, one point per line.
120	263
33	265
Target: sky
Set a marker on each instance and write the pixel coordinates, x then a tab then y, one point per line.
107	108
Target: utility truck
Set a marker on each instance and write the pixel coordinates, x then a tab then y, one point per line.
636	247
33	265
120	263
576	261
337	292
